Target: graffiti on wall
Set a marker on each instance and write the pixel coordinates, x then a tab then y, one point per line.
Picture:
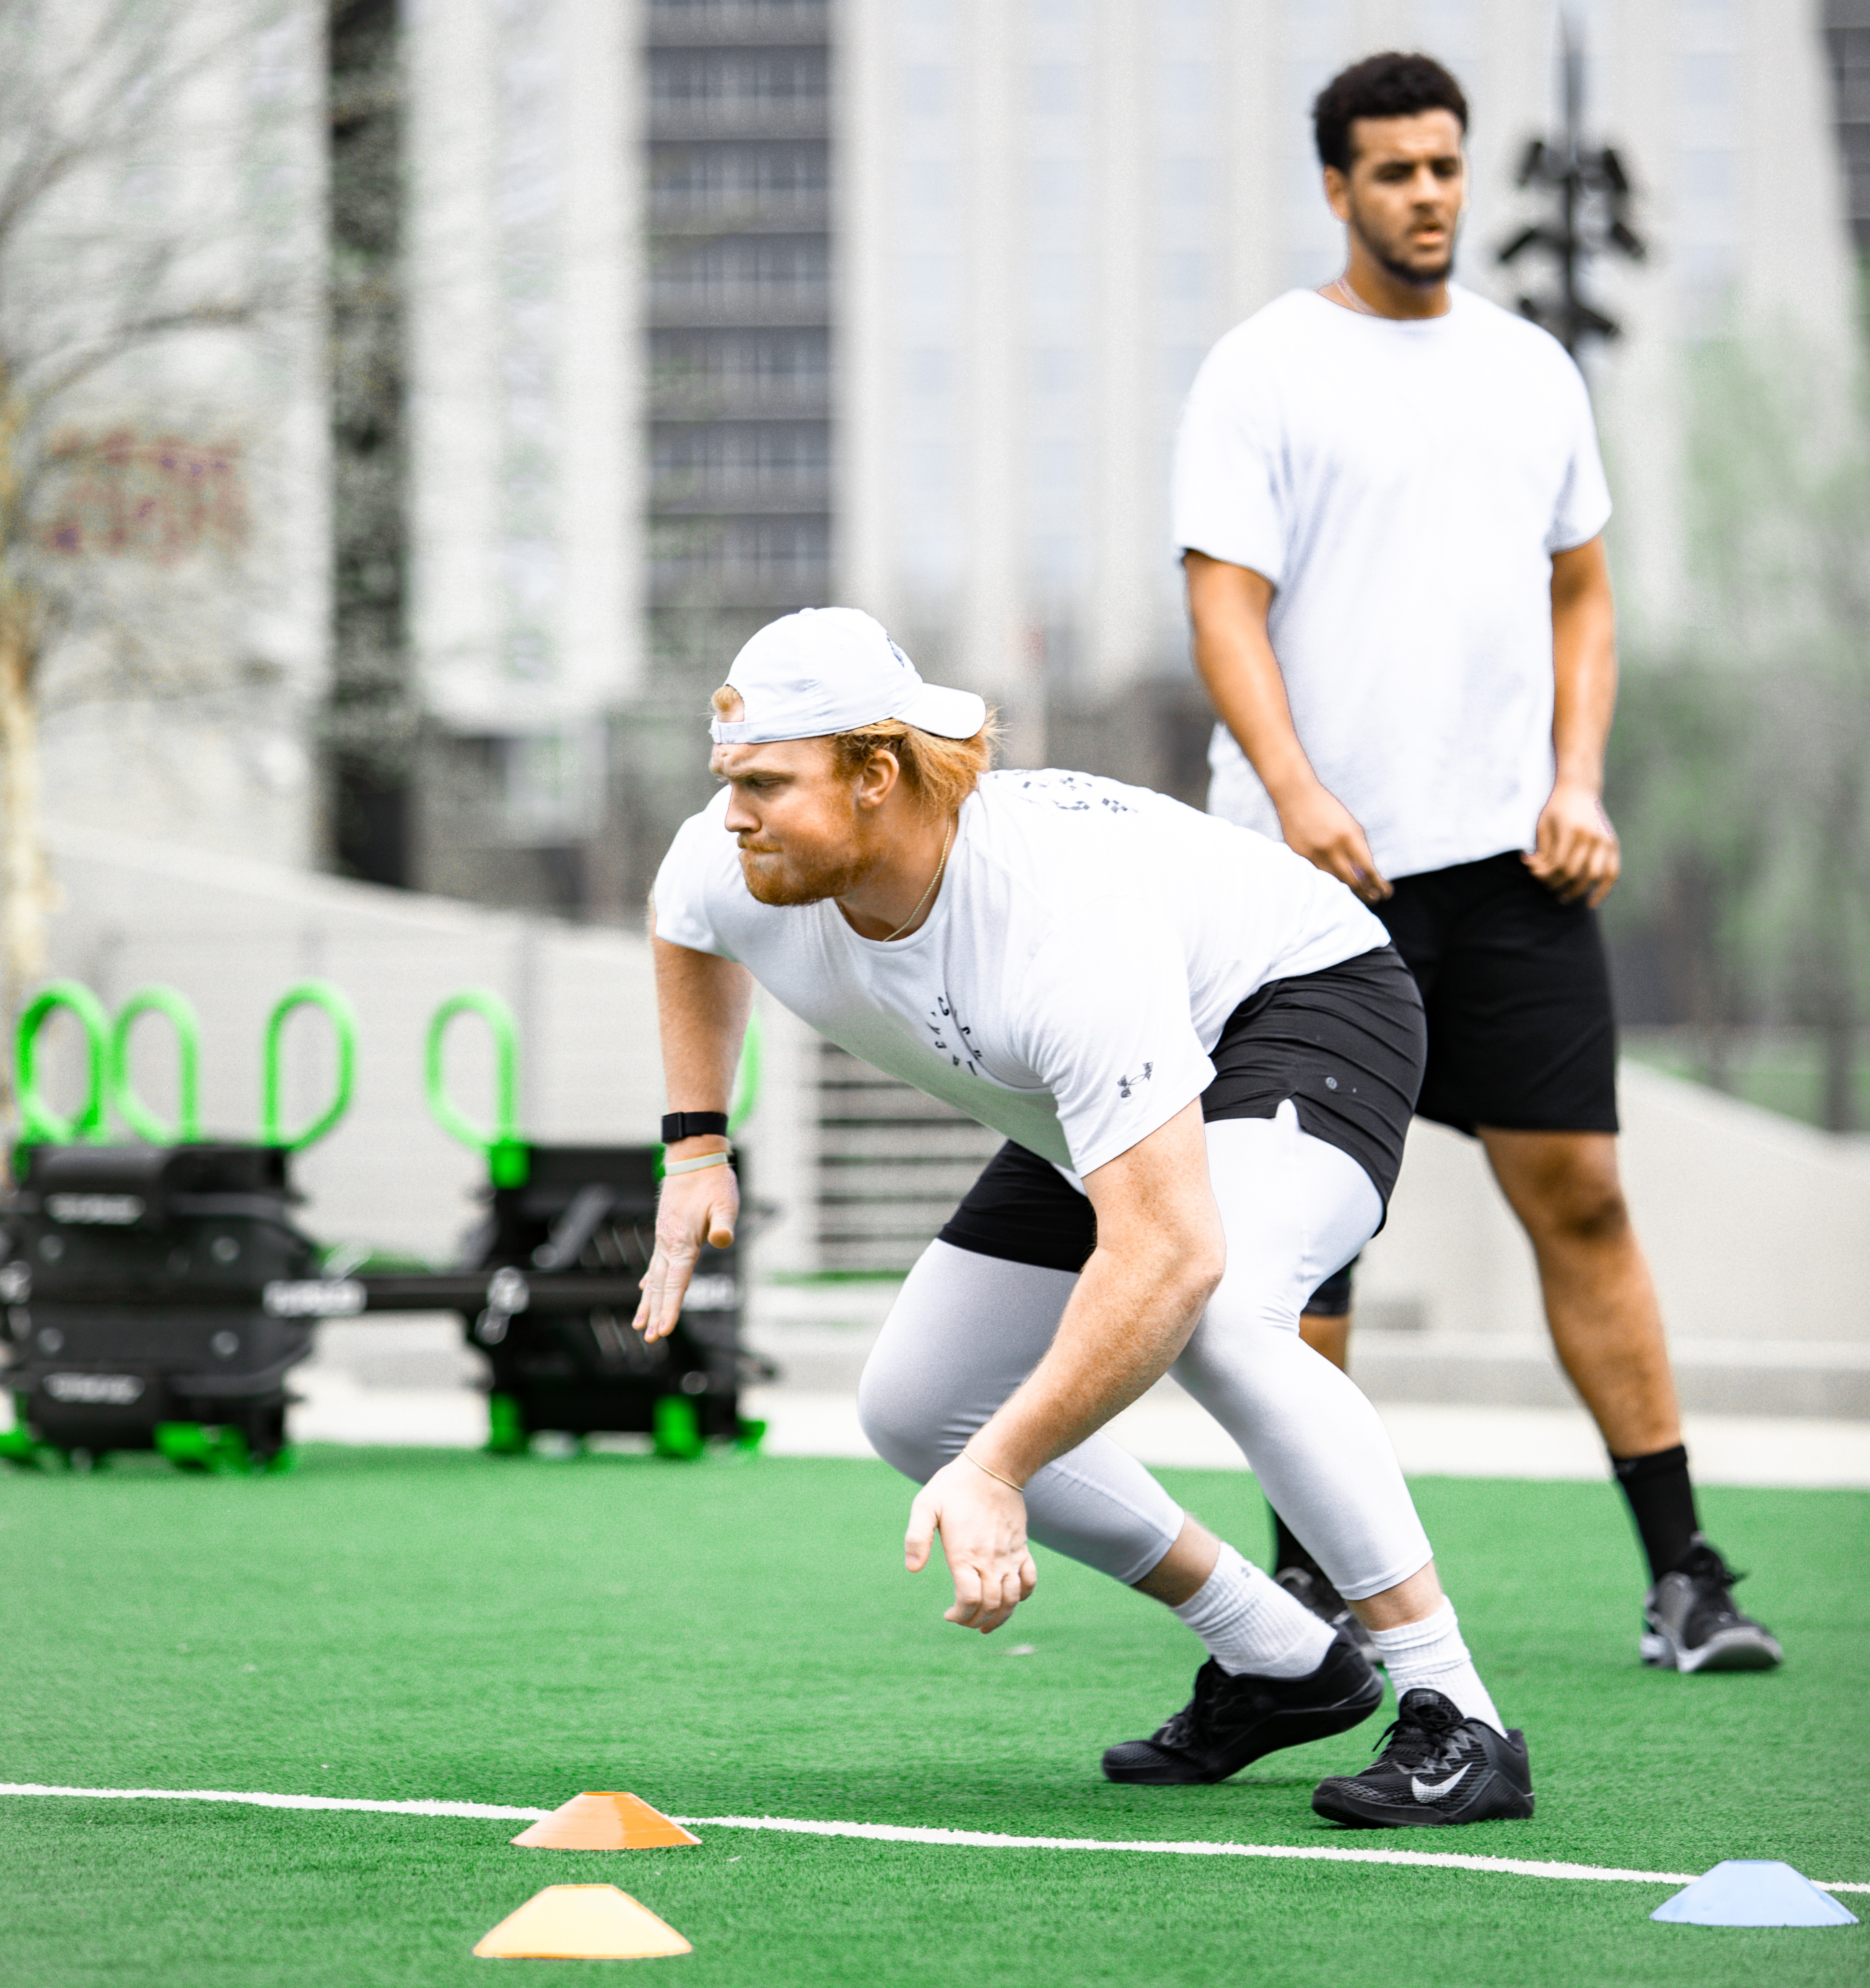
154	498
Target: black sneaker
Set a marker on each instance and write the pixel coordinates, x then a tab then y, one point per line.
1232	1720
1438	1768
1308	1587
1690	1622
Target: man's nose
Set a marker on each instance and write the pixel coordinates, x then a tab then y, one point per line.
740	819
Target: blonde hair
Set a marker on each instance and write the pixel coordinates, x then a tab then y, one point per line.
940	772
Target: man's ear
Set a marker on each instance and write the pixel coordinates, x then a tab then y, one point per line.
877	781
1337	192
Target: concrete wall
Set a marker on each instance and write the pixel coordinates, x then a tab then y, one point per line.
1757	1229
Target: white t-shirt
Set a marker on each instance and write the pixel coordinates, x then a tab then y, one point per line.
1403	484
1086	947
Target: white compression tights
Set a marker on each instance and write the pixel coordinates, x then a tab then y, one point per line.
968	1329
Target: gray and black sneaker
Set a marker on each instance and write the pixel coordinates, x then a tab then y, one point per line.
1690	1622
1231	1721
1308	1587
1438	1768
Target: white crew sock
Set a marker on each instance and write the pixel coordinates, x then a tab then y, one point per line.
1249	1623
1430	1655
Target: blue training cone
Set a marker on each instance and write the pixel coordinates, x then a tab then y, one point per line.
1754	1891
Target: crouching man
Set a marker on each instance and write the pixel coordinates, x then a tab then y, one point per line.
1203	1053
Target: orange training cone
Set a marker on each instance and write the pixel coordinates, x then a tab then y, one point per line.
604	1822
581	1923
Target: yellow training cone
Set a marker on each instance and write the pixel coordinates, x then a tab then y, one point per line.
582	1922
604	1822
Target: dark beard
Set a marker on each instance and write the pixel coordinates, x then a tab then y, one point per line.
1405	273
789	885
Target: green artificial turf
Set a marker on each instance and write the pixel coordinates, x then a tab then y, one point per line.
737	1638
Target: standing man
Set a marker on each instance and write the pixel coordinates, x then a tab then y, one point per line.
1202	1052
1389	508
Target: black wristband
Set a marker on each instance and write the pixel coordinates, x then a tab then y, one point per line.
691	1125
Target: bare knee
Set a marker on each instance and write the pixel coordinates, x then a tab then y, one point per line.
1585	1214
1565	1187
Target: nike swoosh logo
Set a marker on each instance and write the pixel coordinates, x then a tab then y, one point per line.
1424	1791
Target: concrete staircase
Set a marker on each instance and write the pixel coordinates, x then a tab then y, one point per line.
892	1164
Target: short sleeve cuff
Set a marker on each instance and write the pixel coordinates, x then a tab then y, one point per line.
678	926
1262	559
1170	1092
1568	537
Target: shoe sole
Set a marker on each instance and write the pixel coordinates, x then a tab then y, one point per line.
1293	1728
1499	1802
1730	1650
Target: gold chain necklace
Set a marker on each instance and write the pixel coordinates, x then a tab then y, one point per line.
1351	298
947	840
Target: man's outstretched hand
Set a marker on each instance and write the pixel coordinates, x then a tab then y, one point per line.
982	1525
1578	855
693	1209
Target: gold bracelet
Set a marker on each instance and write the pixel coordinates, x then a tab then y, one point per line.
978	1465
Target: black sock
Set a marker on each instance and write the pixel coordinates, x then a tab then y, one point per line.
1288	1550
1661	1502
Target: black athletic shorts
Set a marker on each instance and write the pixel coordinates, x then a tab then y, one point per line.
1346	1045
1516	990
1517	994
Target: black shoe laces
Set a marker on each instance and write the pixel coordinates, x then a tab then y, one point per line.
1189	1729
1703	1566
1183	1729
1418	1735
1711	1580
1179	1730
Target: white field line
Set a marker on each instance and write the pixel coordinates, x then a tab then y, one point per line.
890	1832
491	1810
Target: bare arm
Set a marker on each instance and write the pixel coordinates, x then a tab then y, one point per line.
1228	605
701	1006
1160	1253
1577	854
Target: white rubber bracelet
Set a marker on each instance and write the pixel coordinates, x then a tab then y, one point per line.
696	1166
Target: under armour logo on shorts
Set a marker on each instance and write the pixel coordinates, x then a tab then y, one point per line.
1125	1084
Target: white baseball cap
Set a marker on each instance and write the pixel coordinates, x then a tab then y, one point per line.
835	669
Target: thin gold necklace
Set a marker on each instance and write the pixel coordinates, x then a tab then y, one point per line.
1351	298
924	898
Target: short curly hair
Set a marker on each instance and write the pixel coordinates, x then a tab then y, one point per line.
1391	85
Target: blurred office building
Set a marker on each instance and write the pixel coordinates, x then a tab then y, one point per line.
653	321
521	282
619	286
1054	208
1847	42
162	432
717	308
649	321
